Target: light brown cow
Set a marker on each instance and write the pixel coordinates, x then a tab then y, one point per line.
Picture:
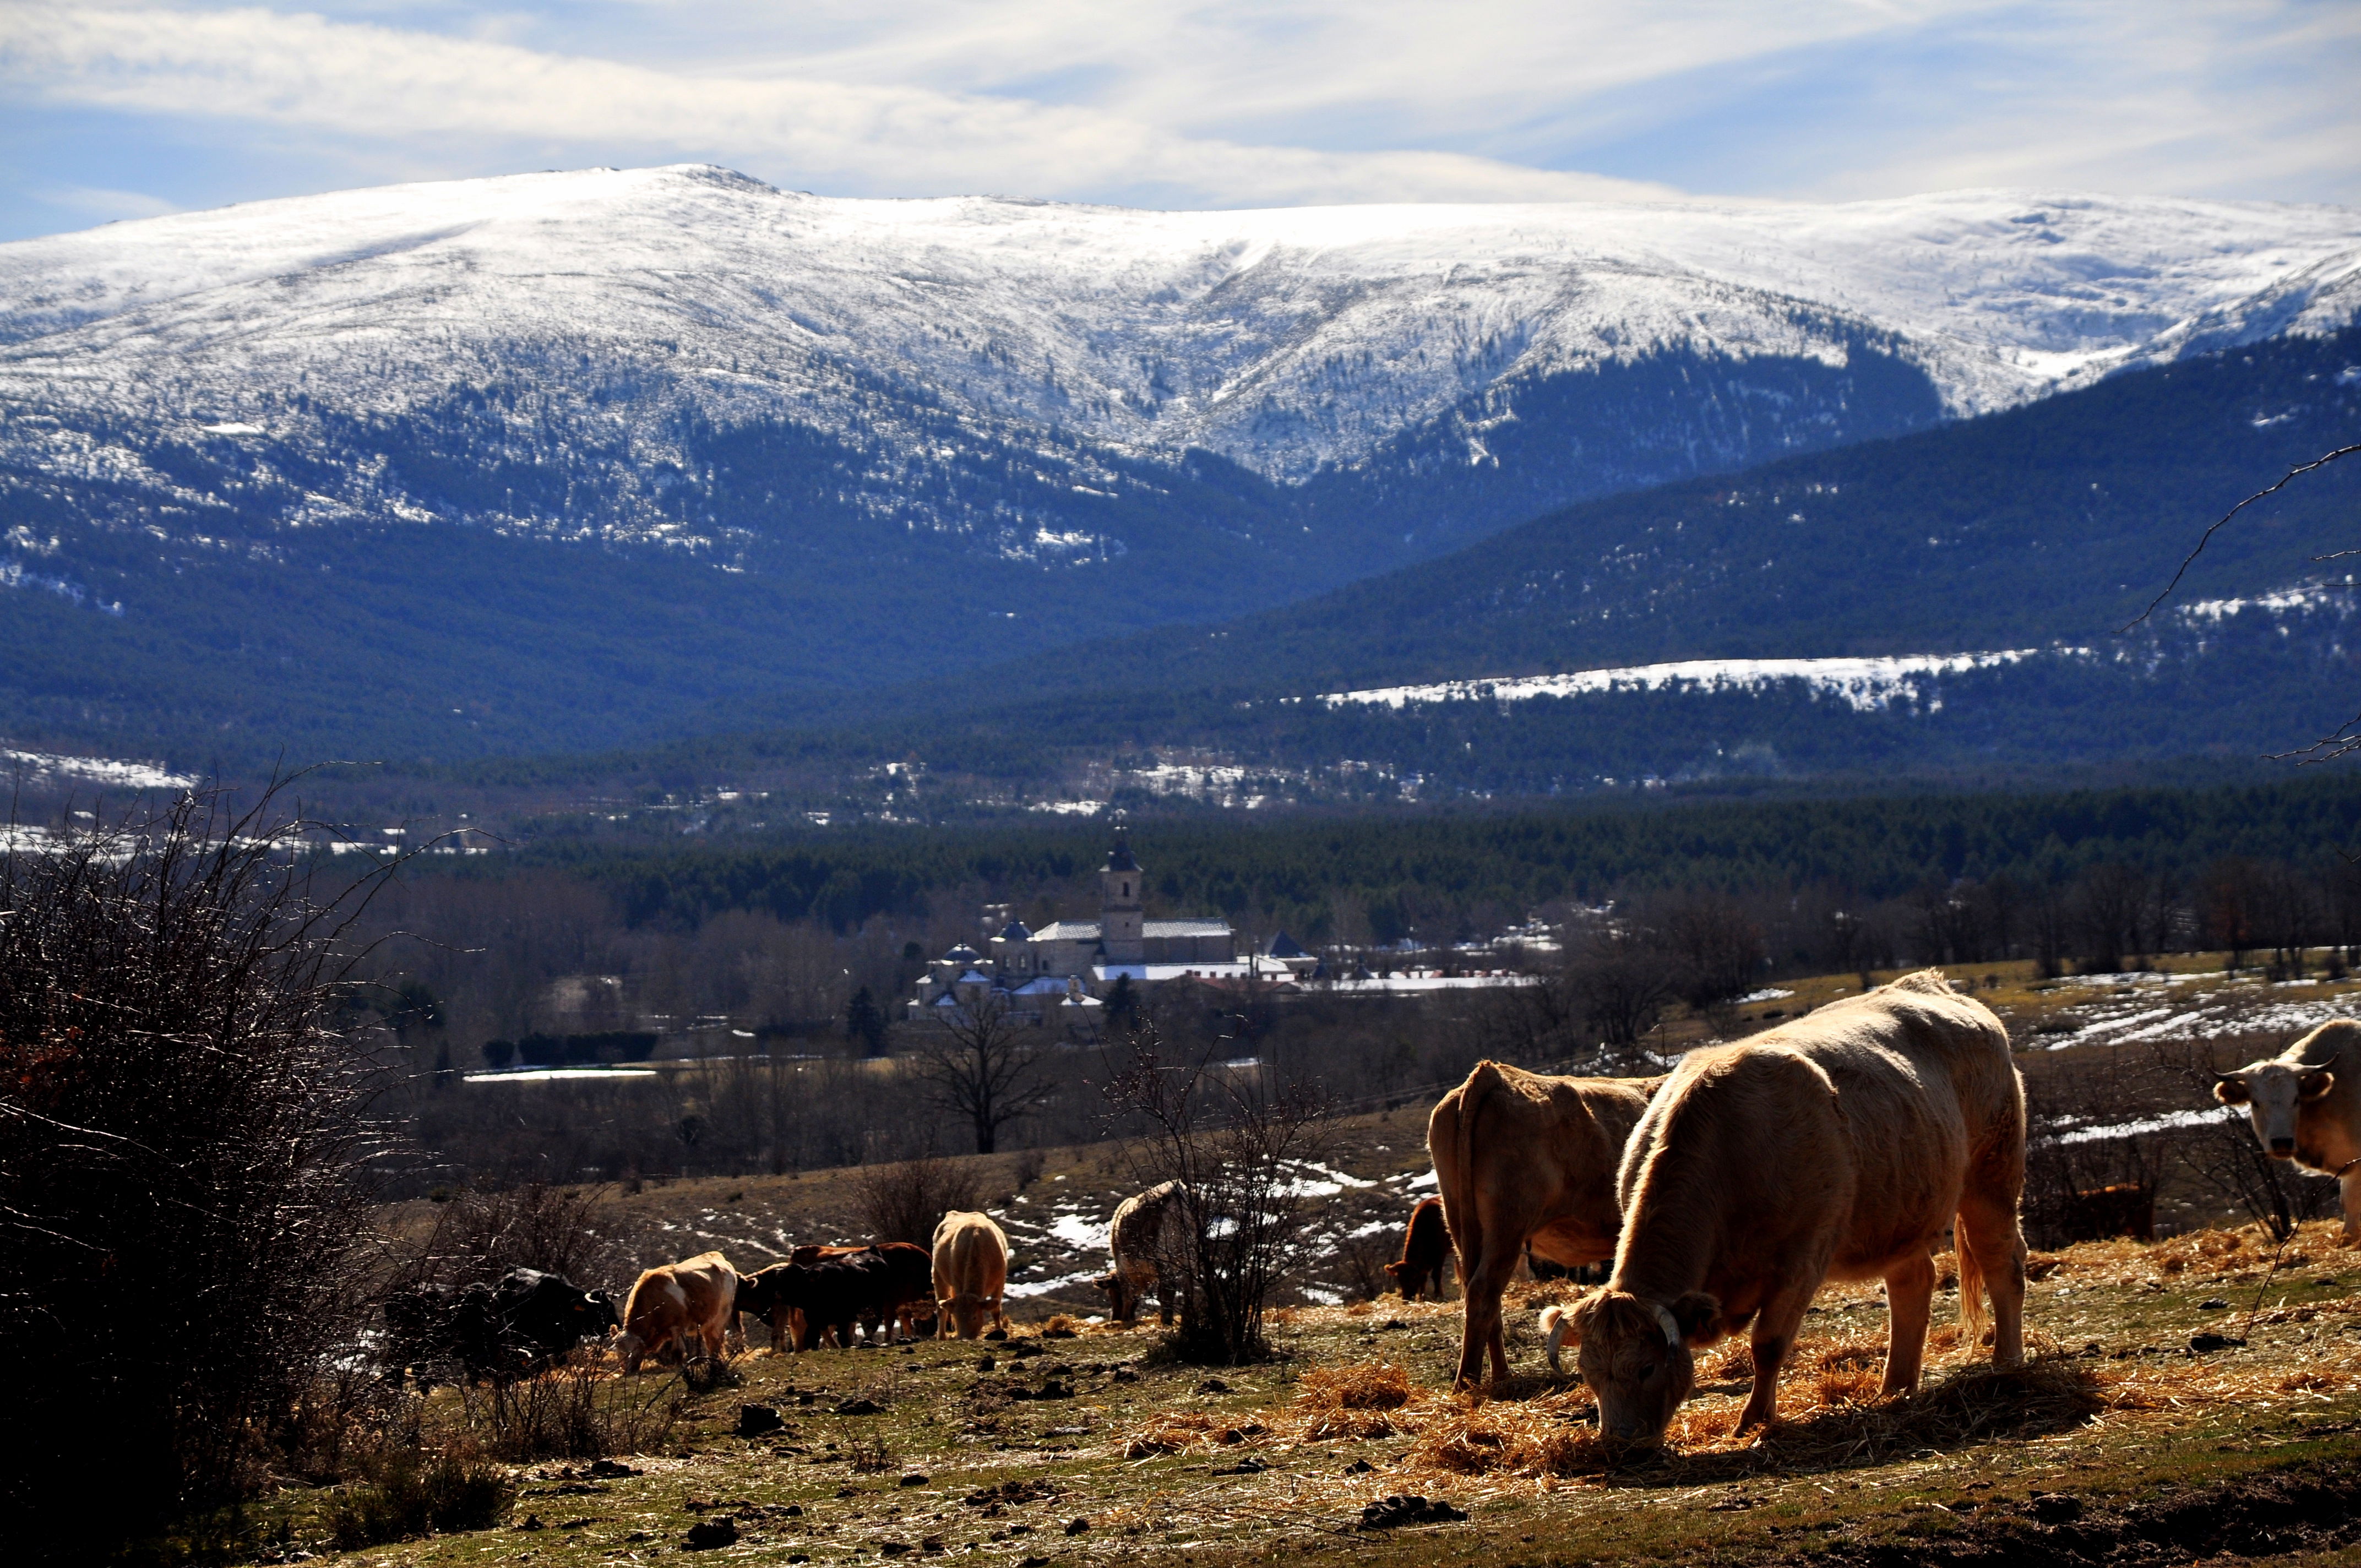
2306	1106
1836	1147
1522	1159
971	1265
1150	1241
669	1306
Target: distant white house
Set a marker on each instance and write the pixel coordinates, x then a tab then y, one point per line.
1062	971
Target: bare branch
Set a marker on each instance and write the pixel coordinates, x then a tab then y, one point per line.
2206	538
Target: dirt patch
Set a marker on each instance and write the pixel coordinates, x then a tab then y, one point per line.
2309	1508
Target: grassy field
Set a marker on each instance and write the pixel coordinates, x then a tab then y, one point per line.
2194	1397
1053	1447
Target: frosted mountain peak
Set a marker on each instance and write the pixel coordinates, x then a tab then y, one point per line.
1284	338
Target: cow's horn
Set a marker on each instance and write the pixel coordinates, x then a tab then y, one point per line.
1672	1328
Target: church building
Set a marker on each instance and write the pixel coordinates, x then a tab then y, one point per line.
1065	967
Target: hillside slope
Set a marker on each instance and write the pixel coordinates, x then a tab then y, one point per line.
560	461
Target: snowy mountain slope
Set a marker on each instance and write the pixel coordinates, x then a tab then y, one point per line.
575	459
1283	340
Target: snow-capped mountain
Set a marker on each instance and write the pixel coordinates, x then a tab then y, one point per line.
813	443
1283	340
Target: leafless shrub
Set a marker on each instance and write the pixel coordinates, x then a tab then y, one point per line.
2081	1182
902	1202
180	1129
1236	1139
482	1235
577	1411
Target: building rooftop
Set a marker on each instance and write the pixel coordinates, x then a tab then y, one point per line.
1068	931
1184	928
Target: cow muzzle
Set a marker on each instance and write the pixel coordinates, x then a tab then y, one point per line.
2282	1149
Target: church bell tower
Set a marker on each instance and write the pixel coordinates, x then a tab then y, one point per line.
1122	932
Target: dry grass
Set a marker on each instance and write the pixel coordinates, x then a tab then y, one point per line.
1360	1400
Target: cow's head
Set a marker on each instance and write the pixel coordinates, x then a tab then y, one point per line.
1635	1357
2273	1092
1118	1295
599	1313
967	1314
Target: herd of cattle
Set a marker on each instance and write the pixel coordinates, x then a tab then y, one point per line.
1844	1145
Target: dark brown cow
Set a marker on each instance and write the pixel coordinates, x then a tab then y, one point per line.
894	1280
1425	1244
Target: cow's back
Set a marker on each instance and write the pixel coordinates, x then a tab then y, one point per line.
1857	1124
971	1257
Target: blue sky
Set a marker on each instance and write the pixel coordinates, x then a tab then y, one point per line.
111	111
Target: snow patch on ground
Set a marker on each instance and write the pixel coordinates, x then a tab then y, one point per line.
107	771
1863	685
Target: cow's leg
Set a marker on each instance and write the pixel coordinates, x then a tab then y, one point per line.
2349	1185
1773	1337
942	1318
1480	1315
1909	1300
1988	1232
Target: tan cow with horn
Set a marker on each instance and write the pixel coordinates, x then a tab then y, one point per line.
1521	1159
2306	1107
1839	1146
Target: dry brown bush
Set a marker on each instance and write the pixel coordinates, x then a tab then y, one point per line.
904	1201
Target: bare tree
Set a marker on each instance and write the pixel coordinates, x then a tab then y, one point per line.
1620	986
1236	1139
981	1062
181	1128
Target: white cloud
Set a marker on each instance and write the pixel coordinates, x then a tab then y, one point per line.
366	80
1199	103
106	205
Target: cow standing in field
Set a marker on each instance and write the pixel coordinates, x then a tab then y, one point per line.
890	1304
970	1273
695	1300
1426	1245
2308	1112
1836	1147
1526	1160
1150	1241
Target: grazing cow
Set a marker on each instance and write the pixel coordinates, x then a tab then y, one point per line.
1526	1161
1838	1145
2307	1111
823	1290
543	1316
1150	1240
671	1305
1425	1244
433	1326
971	1274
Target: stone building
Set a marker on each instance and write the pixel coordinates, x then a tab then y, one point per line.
1069	963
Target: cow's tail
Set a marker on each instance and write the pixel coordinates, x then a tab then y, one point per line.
1972	1316
1454	1127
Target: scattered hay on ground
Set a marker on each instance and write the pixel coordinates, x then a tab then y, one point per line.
1361	1400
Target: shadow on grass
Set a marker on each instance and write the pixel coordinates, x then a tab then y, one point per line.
1548	1434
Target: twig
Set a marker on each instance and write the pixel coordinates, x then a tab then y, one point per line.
2207	536
2248	1327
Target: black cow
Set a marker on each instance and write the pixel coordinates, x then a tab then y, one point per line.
545	1316
526	1323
